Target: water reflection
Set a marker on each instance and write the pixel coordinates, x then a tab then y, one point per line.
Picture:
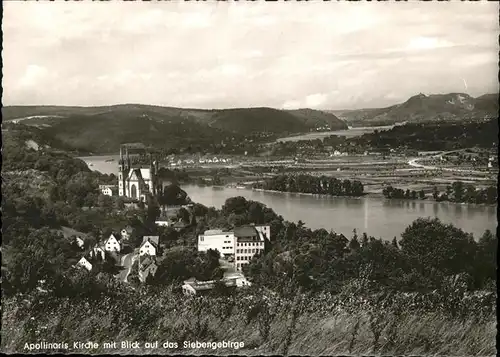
376	216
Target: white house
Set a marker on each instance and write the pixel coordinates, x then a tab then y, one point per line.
194	287
107	189
163	221
217	239
149	245
112	244
85	263
79	242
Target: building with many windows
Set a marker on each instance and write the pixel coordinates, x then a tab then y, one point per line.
238	246
219	240
249	240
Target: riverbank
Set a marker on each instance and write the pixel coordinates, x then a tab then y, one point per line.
377	195
372	214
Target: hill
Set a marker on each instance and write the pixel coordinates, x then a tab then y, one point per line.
425	108
103	129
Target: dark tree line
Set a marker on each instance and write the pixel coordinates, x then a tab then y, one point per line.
393	192
460	192
312	184
434	136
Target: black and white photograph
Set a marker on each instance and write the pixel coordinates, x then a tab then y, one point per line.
254	178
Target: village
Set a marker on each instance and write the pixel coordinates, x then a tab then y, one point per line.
235	248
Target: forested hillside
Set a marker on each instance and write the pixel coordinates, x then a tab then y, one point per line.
103	129
426	108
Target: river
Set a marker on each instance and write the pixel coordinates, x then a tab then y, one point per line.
378	217
349	133
375	216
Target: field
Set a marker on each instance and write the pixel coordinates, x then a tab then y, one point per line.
266	325
376	172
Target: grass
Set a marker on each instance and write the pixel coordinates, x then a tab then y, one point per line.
292	330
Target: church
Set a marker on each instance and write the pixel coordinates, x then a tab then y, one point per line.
137	182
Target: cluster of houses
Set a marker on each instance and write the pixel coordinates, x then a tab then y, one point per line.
212	160
169	217
338	153
236	247
115	245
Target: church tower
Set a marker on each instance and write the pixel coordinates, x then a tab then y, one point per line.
123	170
153	174
121	180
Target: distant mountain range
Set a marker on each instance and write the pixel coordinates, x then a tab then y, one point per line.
424	108
103	129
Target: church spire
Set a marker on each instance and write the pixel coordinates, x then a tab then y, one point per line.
128	158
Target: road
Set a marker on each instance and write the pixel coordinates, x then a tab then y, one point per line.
414	163
127	261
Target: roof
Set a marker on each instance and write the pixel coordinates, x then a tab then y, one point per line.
208	285
179	225
200	285
146	174
141	174
146	262
116	236
85	257
128	229
246	231
152	239
213	232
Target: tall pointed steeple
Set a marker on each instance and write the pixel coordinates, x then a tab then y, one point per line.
128	158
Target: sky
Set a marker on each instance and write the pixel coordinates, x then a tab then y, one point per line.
322	55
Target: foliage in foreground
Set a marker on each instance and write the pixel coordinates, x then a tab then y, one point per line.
346	323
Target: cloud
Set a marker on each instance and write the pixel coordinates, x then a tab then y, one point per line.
33	76
427	43
225	54
315	100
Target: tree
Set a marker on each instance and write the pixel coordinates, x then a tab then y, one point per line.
435	193
458	191
256	212
421	194
347	187
173	195
104	201
120	203
42	255
354	243
357	188
431	244
184	215
364	241
486	260
395	242
470	193
236	205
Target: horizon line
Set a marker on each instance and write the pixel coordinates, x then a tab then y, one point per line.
231	108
